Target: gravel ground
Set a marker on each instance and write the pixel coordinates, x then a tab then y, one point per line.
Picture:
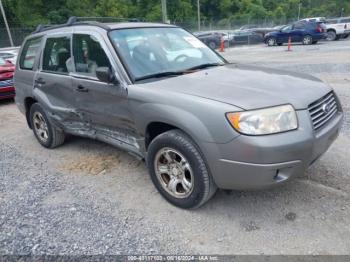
89	198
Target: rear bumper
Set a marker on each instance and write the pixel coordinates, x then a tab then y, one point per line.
250	162
7	92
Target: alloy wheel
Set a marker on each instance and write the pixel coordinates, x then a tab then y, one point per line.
40	127
174	173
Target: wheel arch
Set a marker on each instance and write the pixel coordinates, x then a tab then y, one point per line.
28	102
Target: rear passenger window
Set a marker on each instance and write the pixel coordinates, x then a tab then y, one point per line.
347	20
30	50
88	55
57	56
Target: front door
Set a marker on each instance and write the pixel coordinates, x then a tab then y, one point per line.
103	105
284	34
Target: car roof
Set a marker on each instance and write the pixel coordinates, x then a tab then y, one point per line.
125	25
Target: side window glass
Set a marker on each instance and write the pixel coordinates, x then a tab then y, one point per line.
30	51
57	56
88	55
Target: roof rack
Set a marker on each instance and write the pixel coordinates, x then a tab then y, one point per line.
73	20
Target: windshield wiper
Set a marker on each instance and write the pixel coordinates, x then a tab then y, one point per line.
159	75
203	66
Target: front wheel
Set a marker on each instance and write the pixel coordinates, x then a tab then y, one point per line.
179	171
307	40
271	41
46	133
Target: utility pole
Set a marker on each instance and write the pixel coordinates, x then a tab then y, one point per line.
299	10
6	24
164	12
342	10
199	15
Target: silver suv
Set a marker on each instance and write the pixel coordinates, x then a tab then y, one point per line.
159	93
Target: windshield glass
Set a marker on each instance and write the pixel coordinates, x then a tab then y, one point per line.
149	51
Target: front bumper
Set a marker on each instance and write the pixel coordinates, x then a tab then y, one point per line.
255	162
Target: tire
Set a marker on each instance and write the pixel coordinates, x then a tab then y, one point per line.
181	163
314	42
212	45
307	40
345	36
331	35
271	41
46	133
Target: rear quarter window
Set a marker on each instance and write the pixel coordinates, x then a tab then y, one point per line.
29	53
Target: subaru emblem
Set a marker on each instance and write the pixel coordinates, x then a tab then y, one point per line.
326	108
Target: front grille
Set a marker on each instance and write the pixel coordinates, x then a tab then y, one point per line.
323	110
6	83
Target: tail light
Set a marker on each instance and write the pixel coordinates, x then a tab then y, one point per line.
319	29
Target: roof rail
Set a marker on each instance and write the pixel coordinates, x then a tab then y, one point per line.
73	20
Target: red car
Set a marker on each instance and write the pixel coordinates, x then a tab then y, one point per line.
7	89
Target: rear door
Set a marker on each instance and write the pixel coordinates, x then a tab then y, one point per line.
346	25
53	85
104	105
298	32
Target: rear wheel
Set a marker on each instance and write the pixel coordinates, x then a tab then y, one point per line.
179	171
331	35
212	45
307	40
47	134
271	41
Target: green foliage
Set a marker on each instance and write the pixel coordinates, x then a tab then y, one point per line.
30	13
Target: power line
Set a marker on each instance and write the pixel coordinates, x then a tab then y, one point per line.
6	24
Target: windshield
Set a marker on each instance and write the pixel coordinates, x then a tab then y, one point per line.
150	51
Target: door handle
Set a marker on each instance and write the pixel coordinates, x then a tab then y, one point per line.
40	81
81	88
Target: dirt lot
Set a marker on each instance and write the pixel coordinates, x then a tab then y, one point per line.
89	198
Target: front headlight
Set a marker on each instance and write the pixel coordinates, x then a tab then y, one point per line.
264	121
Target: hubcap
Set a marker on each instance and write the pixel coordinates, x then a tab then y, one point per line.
40	127
174	172
271	41
307	40
331	36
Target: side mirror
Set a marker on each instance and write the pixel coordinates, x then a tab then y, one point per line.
105	74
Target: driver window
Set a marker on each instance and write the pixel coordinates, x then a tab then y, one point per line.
88	55
287	28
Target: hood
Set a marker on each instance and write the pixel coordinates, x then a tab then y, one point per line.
248	87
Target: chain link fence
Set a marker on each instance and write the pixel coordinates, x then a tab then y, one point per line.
225	26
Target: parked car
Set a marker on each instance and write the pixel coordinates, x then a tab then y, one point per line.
243	38
9	54
200	122
305	32
338	28
211	39
257	29
6	79
314	19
